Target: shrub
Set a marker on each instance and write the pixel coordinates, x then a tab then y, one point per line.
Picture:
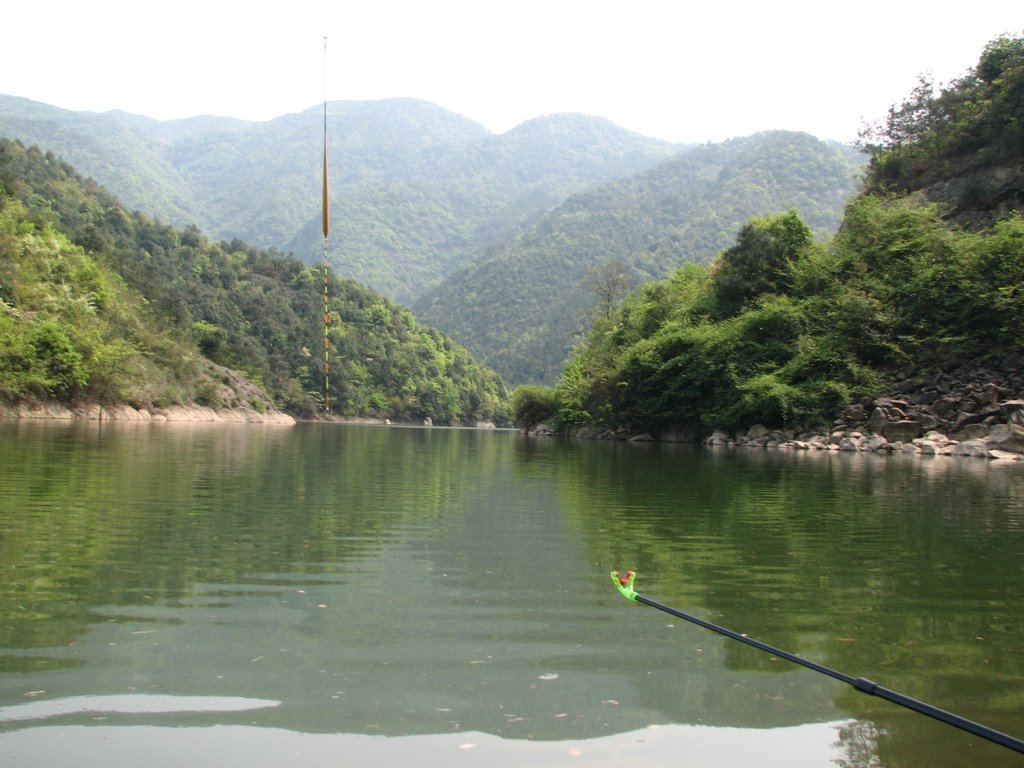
533	405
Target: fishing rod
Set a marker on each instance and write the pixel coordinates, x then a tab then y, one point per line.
326	226
625	586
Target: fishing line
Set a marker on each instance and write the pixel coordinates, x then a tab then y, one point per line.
326	222
625	586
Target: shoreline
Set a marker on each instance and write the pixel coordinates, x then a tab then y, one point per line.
970	411
1000	441
173	413
193	414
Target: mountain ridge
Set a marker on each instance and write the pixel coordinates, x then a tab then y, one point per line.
685	209
424	202
260	181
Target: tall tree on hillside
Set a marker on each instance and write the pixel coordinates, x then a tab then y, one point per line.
610	282
759	261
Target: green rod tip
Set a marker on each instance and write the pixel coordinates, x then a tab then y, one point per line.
625	584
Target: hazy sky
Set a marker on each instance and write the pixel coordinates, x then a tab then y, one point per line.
677	70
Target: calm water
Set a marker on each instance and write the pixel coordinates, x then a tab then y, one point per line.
316	595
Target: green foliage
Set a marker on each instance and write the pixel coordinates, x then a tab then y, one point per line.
972	124
431	210
117	309
998	271
20	374
62	365
520	308
417	191
533	405
802	329
572	393
702	373
212	340
940	284
760	260
69	328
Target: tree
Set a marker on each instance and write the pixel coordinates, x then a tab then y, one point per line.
609	281
759	261
533	405
65	374
973	122
999	56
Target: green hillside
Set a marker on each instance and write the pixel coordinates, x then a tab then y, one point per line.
109	148
405	234
99	304
784	330
520	309
417	191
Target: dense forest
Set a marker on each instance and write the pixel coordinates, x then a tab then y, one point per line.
520	308
489	238
102	305
417	191
784	329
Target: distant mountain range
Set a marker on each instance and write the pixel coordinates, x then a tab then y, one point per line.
487	236
417	191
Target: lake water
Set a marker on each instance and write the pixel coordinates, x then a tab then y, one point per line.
324	595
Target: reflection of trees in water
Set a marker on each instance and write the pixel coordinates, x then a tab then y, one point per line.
859	742
901	569
100	514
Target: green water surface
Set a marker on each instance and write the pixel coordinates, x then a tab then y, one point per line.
358	595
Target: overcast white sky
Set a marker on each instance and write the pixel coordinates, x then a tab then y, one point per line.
676	70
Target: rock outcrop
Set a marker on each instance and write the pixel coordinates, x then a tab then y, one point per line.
969	411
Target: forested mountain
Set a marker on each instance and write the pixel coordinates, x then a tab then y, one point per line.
101	305
405	233
417	191
785	331
520	308
427	202
109	148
